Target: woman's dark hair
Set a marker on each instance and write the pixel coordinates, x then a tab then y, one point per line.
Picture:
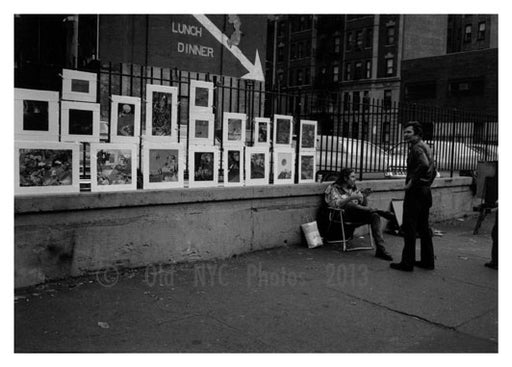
344	175
416	127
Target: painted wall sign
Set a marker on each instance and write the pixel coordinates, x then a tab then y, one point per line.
232	45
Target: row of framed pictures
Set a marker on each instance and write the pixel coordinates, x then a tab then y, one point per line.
50	167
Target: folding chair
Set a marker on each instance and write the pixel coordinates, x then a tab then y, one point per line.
335	218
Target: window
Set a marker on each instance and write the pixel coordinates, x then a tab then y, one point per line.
386	131
280	53
390	35
337	45
280	77
300	50
293	51
481	31
290	77
355	130
368	70
420	90
366	100
300	76
466	87
387	99
467	33
389	66
335	73
356	99
349	40
307	50
348	71
281	29
307	78
369	38
359	39
346	101
358	66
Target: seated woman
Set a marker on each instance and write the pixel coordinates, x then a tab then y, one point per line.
344	194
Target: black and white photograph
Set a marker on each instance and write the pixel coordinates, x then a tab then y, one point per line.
301	181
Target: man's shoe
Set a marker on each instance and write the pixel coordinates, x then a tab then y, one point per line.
384	255
422	265
401	266
492	265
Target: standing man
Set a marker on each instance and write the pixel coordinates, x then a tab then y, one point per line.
421	172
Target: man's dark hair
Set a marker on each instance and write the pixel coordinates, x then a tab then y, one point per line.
416	127
344	175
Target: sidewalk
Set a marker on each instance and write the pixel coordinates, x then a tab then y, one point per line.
283	300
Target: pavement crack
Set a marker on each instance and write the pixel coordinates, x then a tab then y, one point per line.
475	317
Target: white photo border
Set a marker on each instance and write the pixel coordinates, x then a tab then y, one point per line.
225	131
173	91
52	97
285	181
117	100
283	117
257	181
257	121
68	76
95	147
210	117
242	165
41	190
308	154
65	106
308	122
194	84
191	165
150	145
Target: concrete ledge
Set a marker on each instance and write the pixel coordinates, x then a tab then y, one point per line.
88	200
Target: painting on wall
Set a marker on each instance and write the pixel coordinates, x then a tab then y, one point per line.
125	119
201	129
161	113
203	166
113	167
80	121
233	131
307	167
45	168
308	131
36	115
284	166
78	86
257	166
233	166
283	130
261	131
163	165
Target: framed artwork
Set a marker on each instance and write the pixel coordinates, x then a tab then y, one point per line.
284	166
308	130
163	165
78	86
233	131
36	115
257	168
262	131
283	131
201	128
46	168
307	167
233	158
113	166
201	96
125	119
80	121
162	112
203	164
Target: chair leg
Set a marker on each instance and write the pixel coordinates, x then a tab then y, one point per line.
343	235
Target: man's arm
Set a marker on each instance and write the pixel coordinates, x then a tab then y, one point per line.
420	166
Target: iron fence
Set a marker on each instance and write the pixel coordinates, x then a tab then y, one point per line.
363	134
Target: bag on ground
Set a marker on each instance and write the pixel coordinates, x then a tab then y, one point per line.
312	234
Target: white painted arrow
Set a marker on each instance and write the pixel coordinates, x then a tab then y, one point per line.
255	70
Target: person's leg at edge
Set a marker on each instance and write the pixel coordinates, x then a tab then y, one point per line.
409	223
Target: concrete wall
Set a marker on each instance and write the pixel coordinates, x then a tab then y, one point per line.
59	236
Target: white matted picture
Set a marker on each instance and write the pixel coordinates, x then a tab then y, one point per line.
80	121
46	168
36	115
261	131
125	119
307	167
113	166
78	85
233	128
257	168
233	158
308	131
201	128
283	130
163	165
162	112
203	164
201	96
284	166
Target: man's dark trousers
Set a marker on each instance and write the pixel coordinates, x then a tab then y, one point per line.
417	203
